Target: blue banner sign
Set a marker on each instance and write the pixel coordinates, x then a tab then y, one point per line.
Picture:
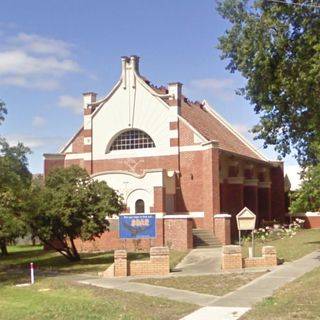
137	226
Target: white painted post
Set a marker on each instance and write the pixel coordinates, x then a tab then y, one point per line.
32	273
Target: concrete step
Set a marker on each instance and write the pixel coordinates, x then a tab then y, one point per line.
204	238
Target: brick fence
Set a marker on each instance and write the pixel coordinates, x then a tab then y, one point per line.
158	264
232	258
174	231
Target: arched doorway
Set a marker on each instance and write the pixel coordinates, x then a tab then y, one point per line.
139	206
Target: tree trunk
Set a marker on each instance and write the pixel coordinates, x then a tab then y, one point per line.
3	246
75	254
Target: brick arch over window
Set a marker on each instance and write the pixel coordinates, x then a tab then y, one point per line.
131	139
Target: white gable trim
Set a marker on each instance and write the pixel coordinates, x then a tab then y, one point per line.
102	101
66	146
234	131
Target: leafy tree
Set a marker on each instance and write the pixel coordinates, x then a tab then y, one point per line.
71	205
276	47
3	111
15	179
307	198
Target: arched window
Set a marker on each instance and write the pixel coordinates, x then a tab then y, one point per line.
139	206
132	139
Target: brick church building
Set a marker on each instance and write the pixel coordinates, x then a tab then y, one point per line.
171	156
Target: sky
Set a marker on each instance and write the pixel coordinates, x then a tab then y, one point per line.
53	51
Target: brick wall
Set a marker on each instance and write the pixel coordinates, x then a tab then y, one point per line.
77	144
189	192
277	193
158	264
232	203
250	198
110	240
137	165
311	220
268	259
232	258
178	233
51	164
186	135
211	186
264	203
222	228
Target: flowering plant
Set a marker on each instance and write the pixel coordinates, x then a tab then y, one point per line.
277	231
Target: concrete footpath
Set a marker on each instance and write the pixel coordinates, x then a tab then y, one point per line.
228	307
234	304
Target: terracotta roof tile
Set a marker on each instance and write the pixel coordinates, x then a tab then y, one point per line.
213	129
209	126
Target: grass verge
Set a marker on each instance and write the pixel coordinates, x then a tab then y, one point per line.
217	285
297	300
56	299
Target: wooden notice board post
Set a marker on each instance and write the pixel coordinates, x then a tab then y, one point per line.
246	220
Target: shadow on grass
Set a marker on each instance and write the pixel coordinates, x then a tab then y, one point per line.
54	261
312	242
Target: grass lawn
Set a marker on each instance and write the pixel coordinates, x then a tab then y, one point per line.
217	285
289	249
51	298
56	299
297	300
21	256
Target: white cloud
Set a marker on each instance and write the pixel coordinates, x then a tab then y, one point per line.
223	88
70	102
41	45
32	61
293	172
38	121
41	83
34	142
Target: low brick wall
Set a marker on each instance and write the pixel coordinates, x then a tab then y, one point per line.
311	220
158	264
232	258
268	259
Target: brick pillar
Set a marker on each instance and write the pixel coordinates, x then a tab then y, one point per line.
264	201
120	263
234	202
211	185
159	199
159	259
224	196
269	254
277	192
222	228
178	233
231	258
250	194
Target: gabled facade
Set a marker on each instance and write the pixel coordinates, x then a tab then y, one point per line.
170	156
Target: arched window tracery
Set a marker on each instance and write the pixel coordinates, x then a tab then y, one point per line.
132	139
